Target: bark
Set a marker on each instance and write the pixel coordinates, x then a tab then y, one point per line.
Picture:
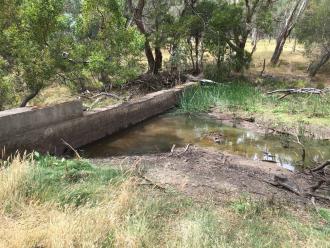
149	55
29	97
316	65
154	62
158	60
197	68
286	30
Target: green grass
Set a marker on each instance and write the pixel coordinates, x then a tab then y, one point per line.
232	96
73	182
245	97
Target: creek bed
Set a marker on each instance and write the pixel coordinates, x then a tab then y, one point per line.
160	133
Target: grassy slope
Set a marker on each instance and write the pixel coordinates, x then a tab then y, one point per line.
67	203
245	99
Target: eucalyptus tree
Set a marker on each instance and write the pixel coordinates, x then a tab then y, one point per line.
105	47
150	18
314	31
292	12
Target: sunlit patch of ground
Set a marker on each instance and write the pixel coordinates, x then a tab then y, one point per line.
52	95
292	62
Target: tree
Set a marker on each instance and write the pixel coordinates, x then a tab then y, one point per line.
314	32
150	17
292	15
106	47
29	36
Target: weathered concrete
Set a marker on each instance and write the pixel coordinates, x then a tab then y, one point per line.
93	125
20	120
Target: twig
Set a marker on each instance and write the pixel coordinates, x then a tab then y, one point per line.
172	149
107	95
139	174
71	147
185	150
95	102
322	166
263	68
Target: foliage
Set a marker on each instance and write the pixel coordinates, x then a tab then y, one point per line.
65	41
314	32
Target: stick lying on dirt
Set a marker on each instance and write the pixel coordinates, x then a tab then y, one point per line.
90	95
284	182
322	166
299	91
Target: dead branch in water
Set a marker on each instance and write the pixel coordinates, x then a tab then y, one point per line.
71	148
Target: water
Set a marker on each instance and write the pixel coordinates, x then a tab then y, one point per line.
160	133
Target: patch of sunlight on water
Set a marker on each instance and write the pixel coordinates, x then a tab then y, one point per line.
160	133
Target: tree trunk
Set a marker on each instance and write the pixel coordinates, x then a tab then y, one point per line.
290	23
315	66
280	42
197	68
149	55
29	97
158	60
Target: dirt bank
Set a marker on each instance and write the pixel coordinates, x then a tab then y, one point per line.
207	174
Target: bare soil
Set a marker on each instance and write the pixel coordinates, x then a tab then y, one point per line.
206	174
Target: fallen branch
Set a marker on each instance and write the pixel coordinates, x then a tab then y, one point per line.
136	168
185	150
299	91
322	166
71	148
107	95
286	184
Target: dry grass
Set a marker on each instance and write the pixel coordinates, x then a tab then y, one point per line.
292	63
127	215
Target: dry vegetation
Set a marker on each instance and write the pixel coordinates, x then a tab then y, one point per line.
109	208
293	63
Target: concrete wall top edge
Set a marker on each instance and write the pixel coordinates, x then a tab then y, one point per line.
22	119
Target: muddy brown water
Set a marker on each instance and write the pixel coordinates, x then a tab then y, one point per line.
160	133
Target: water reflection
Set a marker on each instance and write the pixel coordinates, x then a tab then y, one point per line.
160	133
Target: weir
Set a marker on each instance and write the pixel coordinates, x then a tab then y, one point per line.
46	129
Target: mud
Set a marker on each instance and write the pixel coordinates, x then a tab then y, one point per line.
206	174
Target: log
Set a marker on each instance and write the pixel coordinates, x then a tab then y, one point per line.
299	91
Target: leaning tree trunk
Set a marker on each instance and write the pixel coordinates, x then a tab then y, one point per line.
290	23
280	42
315	66
29	97
154	62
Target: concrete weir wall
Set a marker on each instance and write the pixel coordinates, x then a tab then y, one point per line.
45	129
